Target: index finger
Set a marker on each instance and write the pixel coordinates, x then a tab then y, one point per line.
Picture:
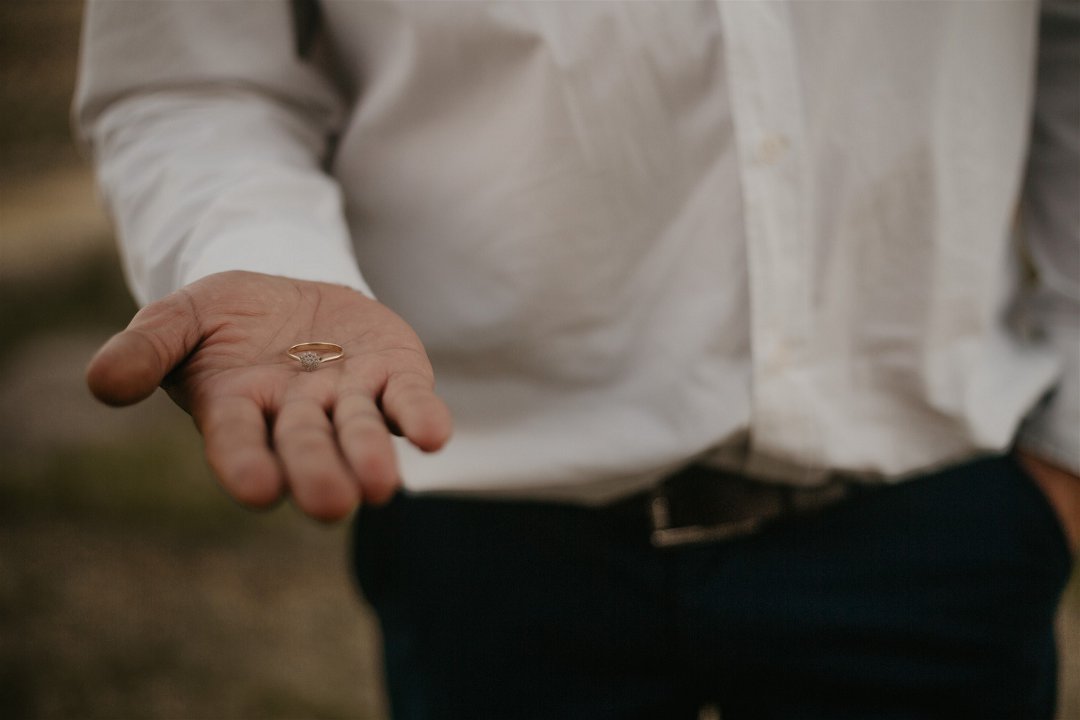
237	445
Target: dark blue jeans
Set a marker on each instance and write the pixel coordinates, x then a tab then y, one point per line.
932	598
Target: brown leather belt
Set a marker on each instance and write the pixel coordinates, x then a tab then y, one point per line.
700	504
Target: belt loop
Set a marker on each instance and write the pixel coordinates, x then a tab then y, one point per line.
659	510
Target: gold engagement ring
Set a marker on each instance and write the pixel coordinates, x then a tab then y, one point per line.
311	355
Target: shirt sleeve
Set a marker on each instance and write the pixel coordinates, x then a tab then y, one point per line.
1052	229
209	135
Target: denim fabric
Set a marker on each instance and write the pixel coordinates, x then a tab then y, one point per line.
931	598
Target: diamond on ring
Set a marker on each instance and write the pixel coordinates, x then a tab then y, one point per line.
309	360
311	355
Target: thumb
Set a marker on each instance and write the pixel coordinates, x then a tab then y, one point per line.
132	363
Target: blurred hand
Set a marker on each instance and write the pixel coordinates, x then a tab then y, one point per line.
1062	488
218	346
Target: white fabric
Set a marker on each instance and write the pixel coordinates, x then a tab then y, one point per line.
780	236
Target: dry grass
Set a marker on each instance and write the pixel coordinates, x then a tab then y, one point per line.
129	585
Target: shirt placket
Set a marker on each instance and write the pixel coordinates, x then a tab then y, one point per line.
769	135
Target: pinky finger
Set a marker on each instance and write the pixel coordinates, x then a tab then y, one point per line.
411	405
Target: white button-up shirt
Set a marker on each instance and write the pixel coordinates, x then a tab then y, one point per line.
779	236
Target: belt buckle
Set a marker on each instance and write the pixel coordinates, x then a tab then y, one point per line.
667	534
699	506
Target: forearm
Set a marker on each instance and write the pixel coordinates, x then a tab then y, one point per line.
211	179
209	137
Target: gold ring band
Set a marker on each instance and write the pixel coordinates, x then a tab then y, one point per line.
311	355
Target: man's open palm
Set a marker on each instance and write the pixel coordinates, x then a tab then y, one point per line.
219	346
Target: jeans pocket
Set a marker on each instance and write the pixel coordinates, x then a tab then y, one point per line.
1043	524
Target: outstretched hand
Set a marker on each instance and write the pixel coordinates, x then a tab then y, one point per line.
218	346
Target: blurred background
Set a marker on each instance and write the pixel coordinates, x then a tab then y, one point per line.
129	585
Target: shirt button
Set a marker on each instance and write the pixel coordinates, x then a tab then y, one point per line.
772	147
780	359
